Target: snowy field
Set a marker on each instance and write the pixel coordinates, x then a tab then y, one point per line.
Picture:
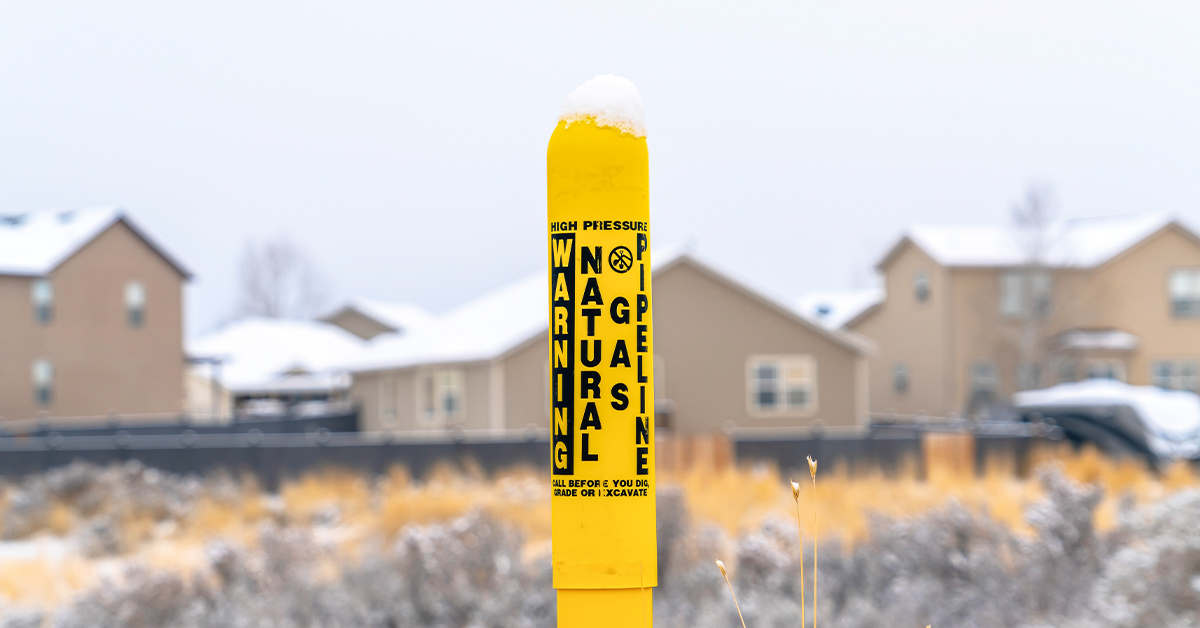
1087	542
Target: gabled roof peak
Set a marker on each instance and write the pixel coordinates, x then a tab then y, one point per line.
1071	243
34	243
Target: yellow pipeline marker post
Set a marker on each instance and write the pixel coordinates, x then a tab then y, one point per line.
601	359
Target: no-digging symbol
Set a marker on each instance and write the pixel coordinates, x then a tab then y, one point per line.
620	260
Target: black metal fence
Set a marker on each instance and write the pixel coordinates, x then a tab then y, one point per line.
182	424
270	457
275	449
889	447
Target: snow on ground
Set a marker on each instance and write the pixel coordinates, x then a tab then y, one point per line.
41	548
610	101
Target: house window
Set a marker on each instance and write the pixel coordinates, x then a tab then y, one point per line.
135	304
441	394
1185	293
782	385
1066	370
1106	369
387	400
921	286
1189	376
1029	376
43	382
42	293
1176	374
983	378
900	378
1025	294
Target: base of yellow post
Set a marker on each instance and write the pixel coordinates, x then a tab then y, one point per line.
605	608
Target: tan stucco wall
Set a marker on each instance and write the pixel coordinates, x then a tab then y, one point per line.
526	376
981	332
1128	293
1139	302
101	364
389	399
706	330
913	333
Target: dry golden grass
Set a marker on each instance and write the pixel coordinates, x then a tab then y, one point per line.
739	499
348	509
44	581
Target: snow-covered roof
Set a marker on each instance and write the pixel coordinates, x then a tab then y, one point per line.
1097	339
1171	417
36	242
498	322
403	317
834	308
480	330
1077	243
261	354
607	100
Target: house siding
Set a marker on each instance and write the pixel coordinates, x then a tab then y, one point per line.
102	365
705	330
916	334
1128	293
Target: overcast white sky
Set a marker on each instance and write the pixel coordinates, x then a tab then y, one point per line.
403	145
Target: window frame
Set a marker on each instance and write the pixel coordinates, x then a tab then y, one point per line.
41	298
1115	367
135	314
976	376
1191	309
432	387
1028	376
901	372
922	287
43	382
795	373
1067	370
1026	294
1180	373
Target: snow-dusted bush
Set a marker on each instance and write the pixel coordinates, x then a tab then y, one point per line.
98	499
950	567
467	572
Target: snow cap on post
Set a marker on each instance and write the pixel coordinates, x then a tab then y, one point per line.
607	100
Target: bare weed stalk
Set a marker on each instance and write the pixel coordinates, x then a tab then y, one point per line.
800	537
812	469
721	566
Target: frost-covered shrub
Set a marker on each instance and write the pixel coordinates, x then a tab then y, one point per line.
467	572
99	499
950	567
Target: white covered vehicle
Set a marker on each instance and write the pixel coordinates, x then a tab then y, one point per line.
1162	425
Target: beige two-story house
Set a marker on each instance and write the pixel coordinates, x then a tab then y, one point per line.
973	314
92	313
725	356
